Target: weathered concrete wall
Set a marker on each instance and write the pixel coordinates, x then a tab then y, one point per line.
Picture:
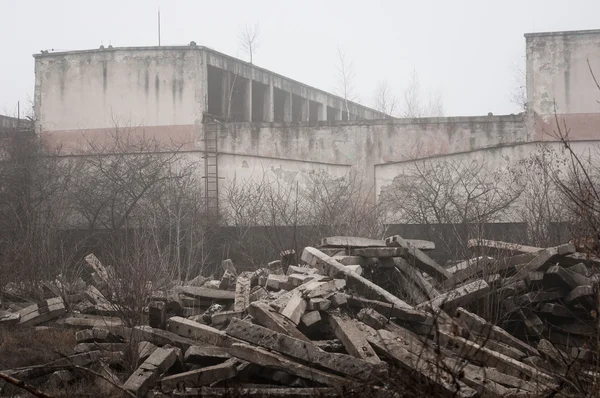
364	144
100	88
558	72
495	159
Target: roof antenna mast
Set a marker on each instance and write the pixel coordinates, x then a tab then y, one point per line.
159	26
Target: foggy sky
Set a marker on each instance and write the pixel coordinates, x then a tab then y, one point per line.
468	50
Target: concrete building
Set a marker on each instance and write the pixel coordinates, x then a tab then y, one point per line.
270	123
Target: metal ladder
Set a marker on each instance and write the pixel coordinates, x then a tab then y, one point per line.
211	170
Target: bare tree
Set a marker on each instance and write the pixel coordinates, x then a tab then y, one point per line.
385	101
249	40
541	202
449	192
416	106
519	94
345	76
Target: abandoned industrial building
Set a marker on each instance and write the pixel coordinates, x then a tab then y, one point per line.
270	122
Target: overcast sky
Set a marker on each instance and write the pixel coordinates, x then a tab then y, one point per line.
468	50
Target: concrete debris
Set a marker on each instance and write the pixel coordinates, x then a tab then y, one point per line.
353	313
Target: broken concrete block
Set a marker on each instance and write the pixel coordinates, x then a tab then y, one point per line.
92	335
295	309
60	378
221	318
318	304
227	281
157	314
258	293
227	266
458	296
311	318
276	282
151	369
338	299
242	292
145	349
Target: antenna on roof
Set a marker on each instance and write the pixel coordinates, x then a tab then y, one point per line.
159	26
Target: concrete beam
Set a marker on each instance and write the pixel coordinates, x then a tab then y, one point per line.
305	109
322	112
287	107
268	107
226	93
248	101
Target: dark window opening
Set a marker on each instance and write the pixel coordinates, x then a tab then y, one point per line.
279	104
238	99
332	114
297	108
313	111
214	91
258	101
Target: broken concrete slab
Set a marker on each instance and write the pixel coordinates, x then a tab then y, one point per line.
206	293
458	296
302	350
483	328
419	259
206	355
273	360
267	317
378	252
355	341
199	332
200	377
387	344
313	256
42	312
389	310
495	247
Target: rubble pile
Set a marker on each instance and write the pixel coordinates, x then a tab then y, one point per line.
324	325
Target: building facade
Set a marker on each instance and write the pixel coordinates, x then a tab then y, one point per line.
270	123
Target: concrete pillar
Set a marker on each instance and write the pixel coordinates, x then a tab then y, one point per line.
268	110
305	110
225	93
322	112
287	108
248	101
337	114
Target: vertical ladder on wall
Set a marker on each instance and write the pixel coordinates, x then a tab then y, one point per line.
211	170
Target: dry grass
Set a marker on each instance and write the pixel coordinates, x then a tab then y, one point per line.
27	347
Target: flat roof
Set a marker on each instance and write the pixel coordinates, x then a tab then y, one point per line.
195	48
564	33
